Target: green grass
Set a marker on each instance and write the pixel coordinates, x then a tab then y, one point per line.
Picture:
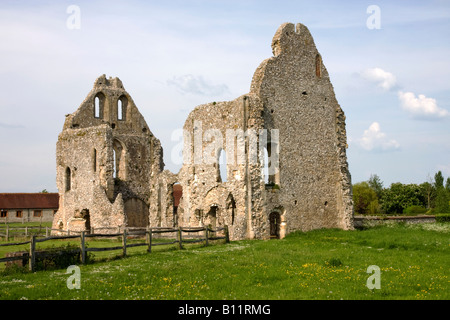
322	264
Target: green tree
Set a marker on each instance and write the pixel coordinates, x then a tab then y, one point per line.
438	180
364	198
376	184
442	194
401	196
429	193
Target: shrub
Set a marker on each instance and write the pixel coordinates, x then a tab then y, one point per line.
443	217
57	257
415	210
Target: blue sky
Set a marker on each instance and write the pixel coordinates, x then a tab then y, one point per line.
392	82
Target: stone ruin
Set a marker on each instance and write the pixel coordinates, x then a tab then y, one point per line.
284	143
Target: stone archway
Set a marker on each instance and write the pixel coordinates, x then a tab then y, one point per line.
212	216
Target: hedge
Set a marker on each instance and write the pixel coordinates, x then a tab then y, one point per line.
443	217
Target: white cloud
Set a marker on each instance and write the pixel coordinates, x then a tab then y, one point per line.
197	85
383	79
421	107
374	139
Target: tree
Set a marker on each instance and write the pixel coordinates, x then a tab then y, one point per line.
401	196
429	193
438	180
376	184
364	198
442	195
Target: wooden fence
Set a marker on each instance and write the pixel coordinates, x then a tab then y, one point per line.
8	232
32	253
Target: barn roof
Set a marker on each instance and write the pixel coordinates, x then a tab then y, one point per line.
29	201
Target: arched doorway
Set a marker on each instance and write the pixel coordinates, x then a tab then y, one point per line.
275	222
212	217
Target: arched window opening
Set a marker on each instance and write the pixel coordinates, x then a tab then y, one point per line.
270	167
114	164
99	102
222	166
265	167
119	110
97	107
122	108
119	161
68	179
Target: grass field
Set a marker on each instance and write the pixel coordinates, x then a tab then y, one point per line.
414	262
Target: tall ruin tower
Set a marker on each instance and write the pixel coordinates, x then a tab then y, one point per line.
298	99
105	156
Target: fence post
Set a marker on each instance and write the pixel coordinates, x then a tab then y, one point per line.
180	238
32	256
227	234
206	235
7	232
124	242
46	232
26	231
149	239
83	248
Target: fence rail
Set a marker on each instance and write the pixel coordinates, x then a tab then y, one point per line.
32	253
7	231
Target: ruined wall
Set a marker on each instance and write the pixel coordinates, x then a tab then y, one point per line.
217	193
299	101
105	157
308	185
